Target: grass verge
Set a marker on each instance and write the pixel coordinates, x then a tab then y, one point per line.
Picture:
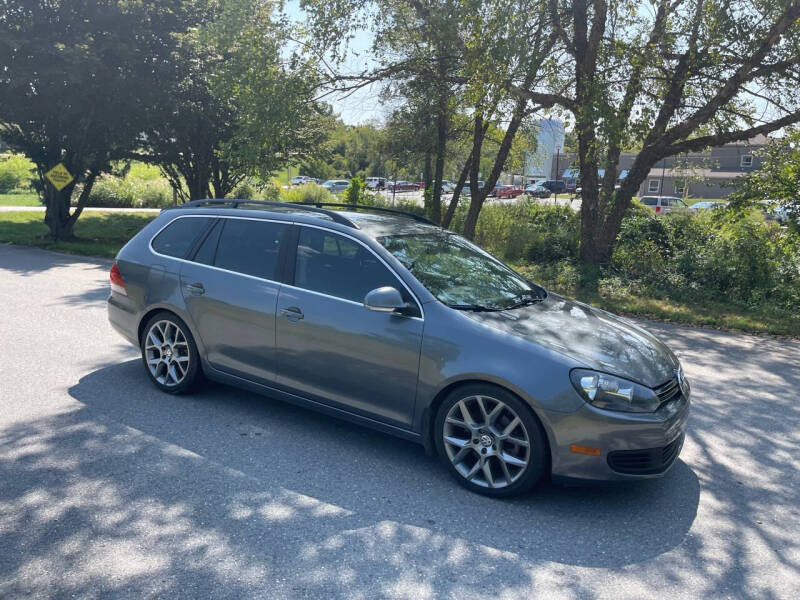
20	199
720	314
96	233
103	234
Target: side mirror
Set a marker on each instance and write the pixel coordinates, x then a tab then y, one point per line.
385	299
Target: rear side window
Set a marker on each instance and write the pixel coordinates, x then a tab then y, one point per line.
334	265
249	247
177	238
649	200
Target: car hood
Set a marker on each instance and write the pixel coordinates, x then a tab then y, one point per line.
594	337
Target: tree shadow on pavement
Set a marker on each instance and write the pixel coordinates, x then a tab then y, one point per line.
137	492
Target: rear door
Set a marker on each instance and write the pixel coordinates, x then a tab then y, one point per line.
230	288
332	349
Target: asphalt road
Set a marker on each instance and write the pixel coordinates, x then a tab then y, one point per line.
111	489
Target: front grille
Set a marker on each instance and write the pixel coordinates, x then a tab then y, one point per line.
645	462
668	391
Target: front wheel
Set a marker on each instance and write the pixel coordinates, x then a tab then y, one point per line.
170	354
490	440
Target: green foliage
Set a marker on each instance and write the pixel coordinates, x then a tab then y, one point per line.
16	172
310	192
354	192
69	94
116	192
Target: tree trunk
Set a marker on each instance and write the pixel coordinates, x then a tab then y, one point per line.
57	208
441	147
56	214
427	170
462	178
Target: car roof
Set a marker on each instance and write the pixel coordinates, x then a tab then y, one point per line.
369	224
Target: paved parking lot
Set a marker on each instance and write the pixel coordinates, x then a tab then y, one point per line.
111	489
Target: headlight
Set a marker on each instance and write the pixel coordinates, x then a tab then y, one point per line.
613	393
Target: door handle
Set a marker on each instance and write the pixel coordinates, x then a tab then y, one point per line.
292	313
195	289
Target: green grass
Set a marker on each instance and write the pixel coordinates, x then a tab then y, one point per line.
104	233
719	314
96	233
20	199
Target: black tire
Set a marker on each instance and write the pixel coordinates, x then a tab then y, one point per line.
537	458
193	374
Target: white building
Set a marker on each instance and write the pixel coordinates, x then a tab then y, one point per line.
549	143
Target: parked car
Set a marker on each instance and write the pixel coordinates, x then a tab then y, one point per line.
336	185
504	380
538	191
467	191
556	186
706	205
405	186
302	179
509	191
663	204
376	183
448	187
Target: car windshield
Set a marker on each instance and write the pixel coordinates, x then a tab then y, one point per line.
460	274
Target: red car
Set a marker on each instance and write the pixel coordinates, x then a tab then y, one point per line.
509	191
405	186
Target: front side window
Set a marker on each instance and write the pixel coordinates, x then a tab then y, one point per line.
177	238
337	266
460	274
249	247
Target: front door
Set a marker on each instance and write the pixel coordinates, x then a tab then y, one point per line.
332	349
230	289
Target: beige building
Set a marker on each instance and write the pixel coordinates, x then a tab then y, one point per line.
710	174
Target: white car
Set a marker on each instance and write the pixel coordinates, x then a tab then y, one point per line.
376	183
663	204
302	179
336	185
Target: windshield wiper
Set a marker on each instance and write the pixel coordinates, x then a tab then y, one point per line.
525	302
474	307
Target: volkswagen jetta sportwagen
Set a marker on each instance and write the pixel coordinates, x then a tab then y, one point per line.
392	322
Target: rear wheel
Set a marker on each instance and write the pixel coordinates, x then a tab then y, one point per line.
490	440
170	354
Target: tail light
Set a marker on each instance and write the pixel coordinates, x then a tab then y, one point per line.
658	209
117	283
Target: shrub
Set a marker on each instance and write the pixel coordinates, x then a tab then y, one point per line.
16	172
114	192
355	191
309	192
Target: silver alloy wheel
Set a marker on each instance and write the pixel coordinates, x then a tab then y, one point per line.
486	441
167	353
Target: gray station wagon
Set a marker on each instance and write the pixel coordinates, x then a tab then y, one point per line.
387	320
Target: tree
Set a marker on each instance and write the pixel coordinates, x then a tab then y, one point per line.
464	56
240	108
669	76
778	178
80	83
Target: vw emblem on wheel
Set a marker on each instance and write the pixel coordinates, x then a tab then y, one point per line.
486	440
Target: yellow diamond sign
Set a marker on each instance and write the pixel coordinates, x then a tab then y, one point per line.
59	176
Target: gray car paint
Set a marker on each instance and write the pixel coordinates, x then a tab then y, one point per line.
389	371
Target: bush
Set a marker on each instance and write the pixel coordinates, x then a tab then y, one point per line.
309	192
114	192
355	191
16	172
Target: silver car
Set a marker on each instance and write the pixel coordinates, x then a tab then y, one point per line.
387	320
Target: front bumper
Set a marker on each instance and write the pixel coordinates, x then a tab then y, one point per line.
631	445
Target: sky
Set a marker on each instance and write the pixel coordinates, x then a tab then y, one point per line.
365	104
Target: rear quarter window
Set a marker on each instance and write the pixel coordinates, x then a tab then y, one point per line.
178	238
649	200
